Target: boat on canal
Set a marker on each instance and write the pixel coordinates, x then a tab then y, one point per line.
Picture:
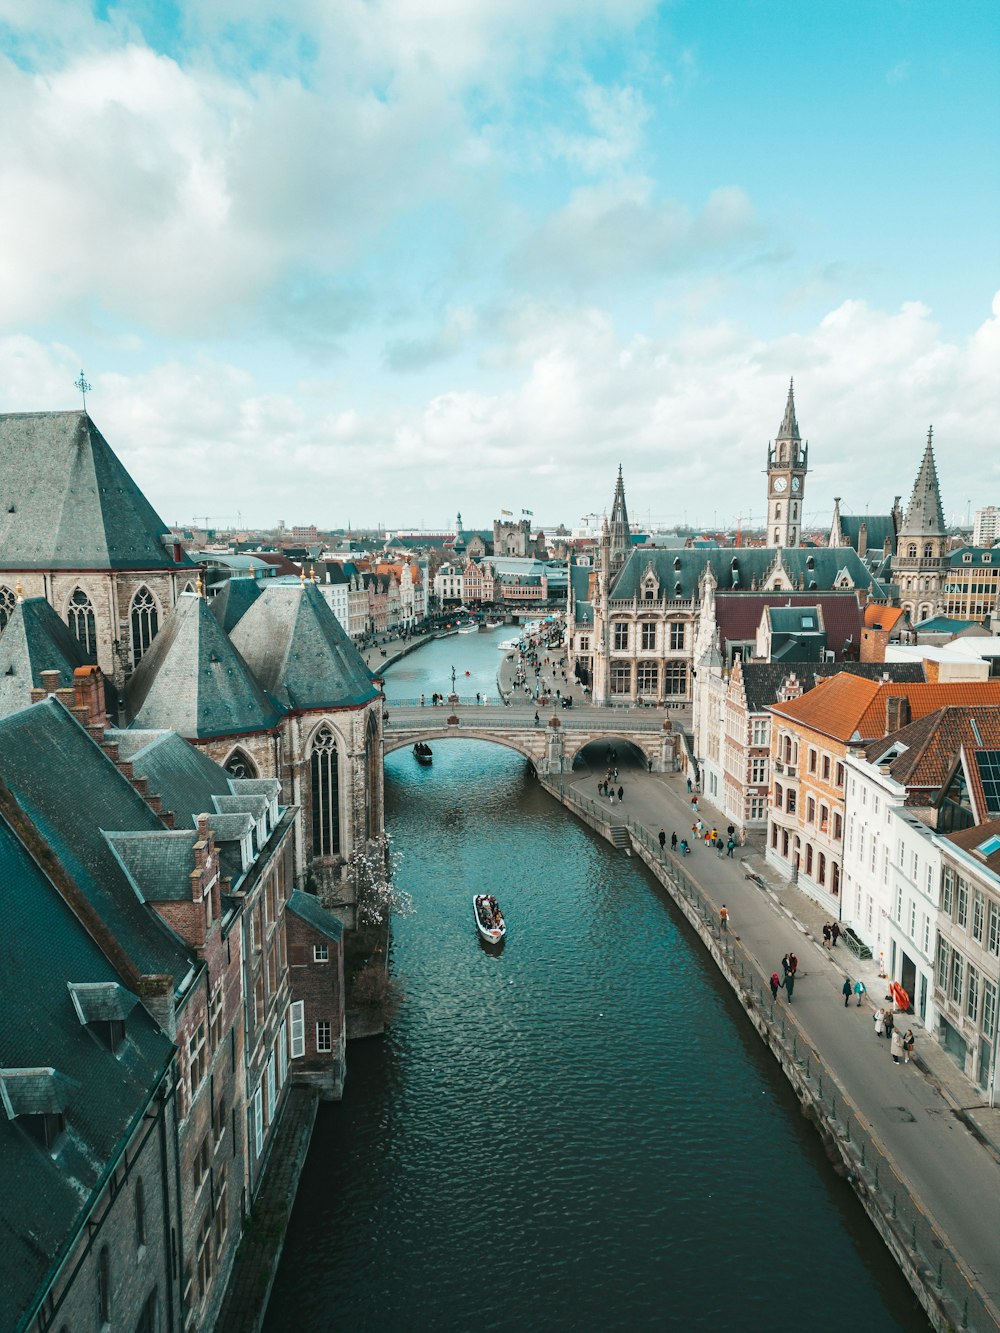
493	624
489	919
469	627
509	645
423	753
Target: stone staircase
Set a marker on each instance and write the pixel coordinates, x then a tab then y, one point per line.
620	837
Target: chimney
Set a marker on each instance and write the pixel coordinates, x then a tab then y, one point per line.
50	681
157	995
88	696
897	712
932	670
873	643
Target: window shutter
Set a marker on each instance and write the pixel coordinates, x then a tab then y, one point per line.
298	1012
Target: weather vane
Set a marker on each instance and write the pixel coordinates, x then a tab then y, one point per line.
84	388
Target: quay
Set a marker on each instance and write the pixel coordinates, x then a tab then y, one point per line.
916	1142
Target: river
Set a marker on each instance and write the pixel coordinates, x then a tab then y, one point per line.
578	1131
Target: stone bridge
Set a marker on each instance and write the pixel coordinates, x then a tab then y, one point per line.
552	744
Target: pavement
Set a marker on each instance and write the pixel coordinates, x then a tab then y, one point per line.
933	1122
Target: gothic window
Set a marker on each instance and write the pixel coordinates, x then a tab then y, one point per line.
239	765
372	768
7	602
145	623
80	615
911	550
325	794
928	550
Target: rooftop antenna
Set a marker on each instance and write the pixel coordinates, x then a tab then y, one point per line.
84	388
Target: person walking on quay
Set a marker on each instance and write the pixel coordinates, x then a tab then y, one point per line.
860	989
888	1024
786	965
719	847
621	792
730	846
789	986
663	839
724	917
835	931
793	963
908	1043
896	1046
879	1021
775	984
827	934
847	990
673	842
689	785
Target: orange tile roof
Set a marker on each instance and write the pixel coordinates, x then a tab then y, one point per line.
848	707
884	617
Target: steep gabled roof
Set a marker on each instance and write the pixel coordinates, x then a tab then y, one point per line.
66	502
105	1092
182	775
848	708
879	529
763	680
300	652
233	600
921	756
309	909
193	680
35	640
744	569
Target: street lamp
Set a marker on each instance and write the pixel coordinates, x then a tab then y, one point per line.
453	680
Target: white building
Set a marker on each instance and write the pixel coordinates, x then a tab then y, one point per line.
986	526
449	584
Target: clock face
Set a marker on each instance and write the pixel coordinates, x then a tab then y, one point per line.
779	484
796	483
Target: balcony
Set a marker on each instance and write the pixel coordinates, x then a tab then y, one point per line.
788	770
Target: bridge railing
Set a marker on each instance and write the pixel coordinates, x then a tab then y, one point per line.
483	719
521	703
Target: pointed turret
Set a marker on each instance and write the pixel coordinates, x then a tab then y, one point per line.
789	428
924	515
621	533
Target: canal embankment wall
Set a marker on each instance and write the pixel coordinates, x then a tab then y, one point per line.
946	1290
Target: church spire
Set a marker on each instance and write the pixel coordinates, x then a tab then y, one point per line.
789	428
621	533
924	515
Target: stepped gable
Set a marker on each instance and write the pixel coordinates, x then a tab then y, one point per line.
193	681
298	650
71	791
182	775
233	600
34	640
67	502
104	1094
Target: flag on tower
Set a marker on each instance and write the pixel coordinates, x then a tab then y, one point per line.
528	512
506	513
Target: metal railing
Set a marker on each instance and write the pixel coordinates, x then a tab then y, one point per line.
404	717
942	1272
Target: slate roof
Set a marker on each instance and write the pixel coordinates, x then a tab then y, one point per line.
583	610
880	529
34	640
194	681
70	790
924	751
104	1093
763	680
159	864
298	650
308	908
974	557
944	625
67	502
737	569
737	616
232	601
849	707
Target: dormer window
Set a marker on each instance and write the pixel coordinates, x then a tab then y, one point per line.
36	1099
102	1008
966	557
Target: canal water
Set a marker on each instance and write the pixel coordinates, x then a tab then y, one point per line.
578	1131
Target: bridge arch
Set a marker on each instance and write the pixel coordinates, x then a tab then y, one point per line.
531	745
645	749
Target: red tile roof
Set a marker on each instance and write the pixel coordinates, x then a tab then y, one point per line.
738	615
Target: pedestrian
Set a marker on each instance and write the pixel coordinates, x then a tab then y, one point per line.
793	964
724	917
835	930
879	1021
775	985
663	839
422	701
908	1043
731	830
719	846
611	793
730	847
621	791
847	990
896	1046
673	842
786	965
860	989
536	719
789	986
689	784
827	935
888	1023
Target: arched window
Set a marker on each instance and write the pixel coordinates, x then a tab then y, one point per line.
928	550
7	603
145	623
80	615
240	765
911	550
140	1213
777	537
104	1285
777	510
373	766
325	794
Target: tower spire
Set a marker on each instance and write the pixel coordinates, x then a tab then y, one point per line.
621	533
924	514
789	428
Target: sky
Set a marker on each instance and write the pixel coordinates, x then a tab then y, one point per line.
359	262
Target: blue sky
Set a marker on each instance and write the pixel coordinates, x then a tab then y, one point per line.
379	260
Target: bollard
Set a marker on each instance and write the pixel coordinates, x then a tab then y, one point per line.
808	1066
914	1237
940	1277
862	1152
848	1123
965	1313
894	1205
876	1175
821	1085
795	1046
833	1107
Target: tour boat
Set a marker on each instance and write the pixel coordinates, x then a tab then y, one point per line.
489	920
423	753
493	624
470	628
509	645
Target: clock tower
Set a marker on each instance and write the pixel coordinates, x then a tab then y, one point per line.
787	464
